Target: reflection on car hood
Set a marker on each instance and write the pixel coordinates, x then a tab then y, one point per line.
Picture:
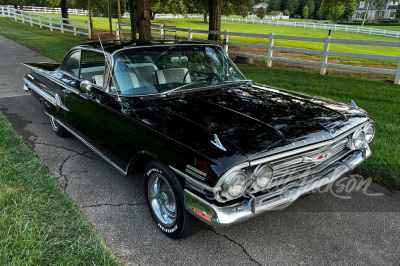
259	121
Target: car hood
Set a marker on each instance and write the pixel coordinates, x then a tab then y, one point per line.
257	120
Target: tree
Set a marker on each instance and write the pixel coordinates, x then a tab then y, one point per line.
311	7
133	18
292	6
64	10
333	12
261	12
167	6
215	10
305	11
143	14
398	12
274	5
242	10
197	7
349	9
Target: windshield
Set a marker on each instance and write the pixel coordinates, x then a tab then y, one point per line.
153	70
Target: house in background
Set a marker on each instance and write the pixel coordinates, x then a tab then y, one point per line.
255	8
388	11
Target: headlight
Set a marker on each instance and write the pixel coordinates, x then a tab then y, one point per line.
357	140
262	177
369	133
235	185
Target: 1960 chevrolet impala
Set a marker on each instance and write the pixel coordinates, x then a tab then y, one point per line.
211	144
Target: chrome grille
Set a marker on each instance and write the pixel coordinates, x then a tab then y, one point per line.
289	169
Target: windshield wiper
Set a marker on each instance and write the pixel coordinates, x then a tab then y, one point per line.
165	93
219	83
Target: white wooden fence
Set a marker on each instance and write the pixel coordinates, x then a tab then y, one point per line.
74	26
271	20
161	31
224	18
53	10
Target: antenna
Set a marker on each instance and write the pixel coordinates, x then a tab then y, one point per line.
109	68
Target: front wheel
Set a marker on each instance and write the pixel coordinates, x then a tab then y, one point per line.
57	128
165	200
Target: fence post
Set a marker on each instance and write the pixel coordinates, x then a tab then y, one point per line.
160	35
117	33
30	18
51	24
226	41
62	25
15	15
2	11
325	55
22	17
40	20
397	77
190	34
270	47
74	26
88	29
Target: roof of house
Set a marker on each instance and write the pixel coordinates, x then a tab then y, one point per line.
264	5
372	6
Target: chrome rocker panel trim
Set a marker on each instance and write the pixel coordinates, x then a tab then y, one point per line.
222	216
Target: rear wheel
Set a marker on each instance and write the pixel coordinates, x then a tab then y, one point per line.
57	128
165	200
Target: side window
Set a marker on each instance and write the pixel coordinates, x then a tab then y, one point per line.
93	67
72	64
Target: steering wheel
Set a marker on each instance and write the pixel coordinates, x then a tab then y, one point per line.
195	65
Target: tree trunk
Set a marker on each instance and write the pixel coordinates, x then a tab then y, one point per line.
366	13
109	16
152	15
215	9
133	18
64	10
205	20
143	9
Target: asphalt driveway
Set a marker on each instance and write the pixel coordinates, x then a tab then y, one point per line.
343	227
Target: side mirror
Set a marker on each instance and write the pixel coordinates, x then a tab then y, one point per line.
86	86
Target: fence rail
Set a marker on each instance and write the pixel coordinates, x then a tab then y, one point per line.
74	26
275	20
161	31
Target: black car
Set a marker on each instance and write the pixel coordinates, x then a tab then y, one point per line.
212	144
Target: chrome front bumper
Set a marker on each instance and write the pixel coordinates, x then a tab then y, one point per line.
226	215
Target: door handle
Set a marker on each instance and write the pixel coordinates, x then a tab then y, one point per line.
66	91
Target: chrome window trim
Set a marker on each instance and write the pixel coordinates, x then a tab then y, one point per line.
162	45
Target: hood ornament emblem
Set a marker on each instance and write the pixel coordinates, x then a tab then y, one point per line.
353	105
217	143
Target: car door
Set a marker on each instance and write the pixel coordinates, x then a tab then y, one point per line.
85	114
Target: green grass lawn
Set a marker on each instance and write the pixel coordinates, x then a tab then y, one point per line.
39	225
380	98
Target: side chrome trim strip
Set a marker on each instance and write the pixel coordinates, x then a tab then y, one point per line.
124	172
47	96
191	179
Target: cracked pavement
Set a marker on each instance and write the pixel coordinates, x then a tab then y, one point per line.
321	229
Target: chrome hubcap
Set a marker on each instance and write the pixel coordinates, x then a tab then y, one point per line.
162	199
54	123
